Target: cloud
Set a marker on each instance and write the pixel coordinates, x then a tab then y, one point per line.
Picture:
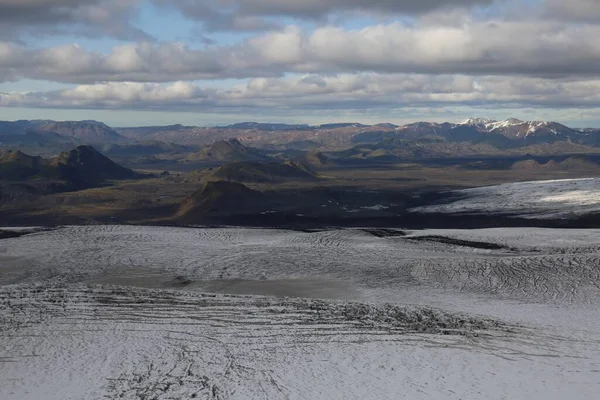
474	48
142	61
257	14
573	10
320	7
444	55
317	92
95	18
124	93
493	47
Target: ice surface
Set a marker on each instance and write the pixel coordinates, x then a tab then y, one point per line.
538	199
121	312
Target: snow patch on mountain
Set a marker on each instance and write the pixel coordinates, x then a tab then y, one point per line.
503	124
514	127
477	121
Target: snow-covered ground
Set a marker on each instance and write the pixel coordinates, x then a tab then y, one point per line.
123	312
538	199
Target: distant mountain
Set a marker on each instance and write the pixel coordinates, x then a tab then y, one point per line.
24	135
387	125
314	160
142	132
302	145
143	148
422	129
219	197
34	138
509	134
580	163
341	125
253	172
19	127
387	150
574	163
29	132
82	167
82	131
516	129
223	143
267	126
477	121
228	151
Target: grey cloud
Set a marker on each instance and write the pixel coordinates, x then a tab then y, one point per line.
320	7
81	17
216	16
572	10
255	14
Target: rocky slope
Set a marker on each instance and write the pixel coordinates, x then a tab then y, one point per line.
228	151
82	166
219	197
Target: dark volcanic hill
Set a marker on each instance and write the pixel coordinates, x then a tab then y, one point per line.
253	172
17	166
85	165
314	160
218	198
225	151
81	167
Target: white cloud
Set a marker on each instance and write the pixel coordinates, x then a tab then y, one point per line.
130	62
130	92
523	47
344	91
475	48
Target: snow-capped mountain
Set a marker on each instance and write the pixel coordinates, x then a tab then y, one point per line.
477	121
517	129
530	129
508	123
507	134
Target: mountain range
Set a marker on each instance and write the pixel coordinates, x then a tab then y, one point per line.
234	143
255	174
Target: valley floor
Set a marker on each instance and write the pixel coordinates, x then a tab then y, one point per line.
136	312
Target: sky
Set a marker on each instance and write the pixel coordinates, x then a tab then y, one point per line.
209	62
